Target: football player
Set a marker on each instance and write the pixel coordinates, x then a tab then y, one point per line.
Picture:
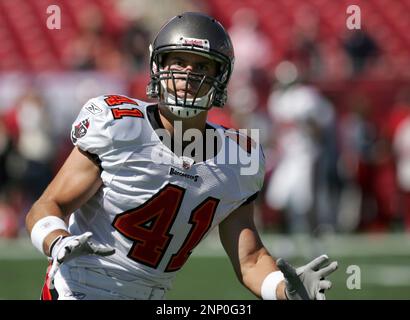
117	223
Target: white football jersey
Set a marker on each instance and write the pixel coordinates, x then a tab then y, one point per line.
154	207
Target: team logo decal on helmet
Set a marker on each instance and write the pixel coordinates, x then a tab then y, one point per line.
195	33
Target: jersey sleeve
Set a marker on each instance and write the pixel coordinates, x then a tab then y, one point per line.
248	163
90	132
253	179
107	123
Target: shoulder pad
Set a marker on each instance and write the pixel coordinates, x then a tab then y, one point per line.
106	121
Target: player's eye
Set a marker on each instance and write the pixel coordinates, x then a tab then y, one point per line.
178	63
202	67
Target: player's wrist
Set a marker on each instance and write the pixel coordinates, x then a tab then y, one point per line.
53	241
281	292
55	245
273	286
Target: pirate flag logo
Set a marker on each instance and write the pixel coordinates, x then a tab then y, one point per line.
80	130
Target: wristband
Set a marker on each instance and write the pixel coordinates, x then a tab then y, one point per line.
269	285
43	227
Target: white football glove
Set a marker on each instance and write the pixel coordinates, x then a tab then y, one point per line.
307	282
71	247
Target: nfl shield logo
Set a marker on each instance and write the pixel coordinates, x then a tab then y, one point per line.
187	163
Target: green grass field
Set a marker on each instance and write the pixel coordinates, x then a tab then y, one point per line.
384	263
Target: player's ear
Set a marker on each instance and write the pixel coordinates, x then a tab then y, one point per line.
218	68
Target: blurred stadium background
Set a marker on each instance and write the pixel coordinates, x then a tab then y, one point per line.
333	106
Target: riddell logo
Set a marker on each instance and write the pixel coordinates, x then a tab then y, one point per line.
201	43
174	172
194	42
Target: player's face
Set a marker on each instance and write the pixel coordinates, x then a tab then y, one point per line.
189	62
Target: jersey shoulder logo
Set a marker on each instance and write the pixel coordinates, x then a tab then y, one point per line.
80	130
94	109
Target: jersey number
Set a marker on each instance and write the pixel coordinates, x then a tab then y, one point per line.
116	100
149	227
118	113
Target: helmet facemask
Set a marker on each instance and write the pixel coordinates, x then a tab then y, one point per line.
187	106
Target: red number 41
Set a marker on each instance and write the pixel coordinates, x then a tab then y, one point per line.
149	227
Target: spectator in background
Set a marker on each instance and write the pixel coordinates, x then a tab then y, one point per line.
253	51
304	50
400	130
303	121
251	80
152	14
135	41
9	225
362	50
9	189
93	49
29	124
5	150
358	136
80	53
402	157
369	193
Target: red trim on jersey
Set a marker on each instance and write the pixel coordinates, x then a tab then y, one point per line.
46	293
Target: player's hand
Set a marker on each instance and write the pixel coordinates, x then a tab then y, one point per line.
71	247
307	282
